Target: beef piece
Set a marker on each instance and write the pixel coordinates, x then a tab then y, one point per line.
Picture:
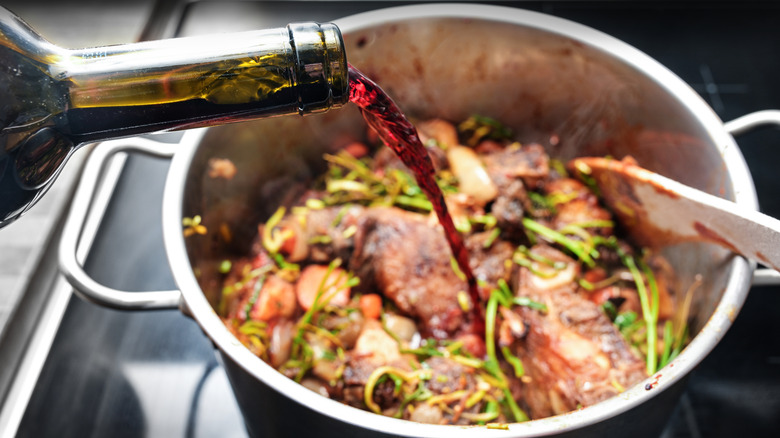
512	169
573	354
449	376
576	205
323	233
403	256
489	264
510	205
529	163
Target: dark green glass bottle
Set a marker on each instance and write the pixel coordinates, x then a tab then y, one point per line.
52	100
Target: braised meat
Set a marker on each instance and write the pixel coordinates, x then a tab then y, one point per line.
352	290
573	353
407	259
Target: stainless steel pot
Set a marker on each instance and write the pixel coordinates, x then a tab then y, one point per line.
573	89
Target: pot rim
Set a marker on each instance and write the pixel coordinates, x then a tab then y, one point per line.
715	328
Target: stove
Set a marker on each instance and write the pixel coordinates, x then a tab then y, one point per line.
112	373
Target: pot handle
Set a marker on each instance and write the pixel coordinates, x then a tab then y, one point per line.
85	196
738	126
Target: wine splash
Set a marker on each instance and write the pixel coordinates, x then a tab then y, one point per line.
382	115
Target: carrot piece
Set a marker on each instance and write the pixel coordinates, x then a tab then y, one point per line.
335	291
371	306
276	299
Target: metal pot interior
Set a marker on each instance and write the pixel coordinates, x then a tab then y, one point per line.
573	97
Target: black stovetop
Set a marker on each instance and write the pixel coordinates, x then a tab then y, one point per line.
113	374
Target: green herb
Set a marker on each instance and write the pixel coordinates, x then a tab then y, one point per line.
491	364
668	341
610	310
494	233
515	361
507	298
649	314
477	128
255	293
456	269
519	415
584	173
577	248
272	238
624	320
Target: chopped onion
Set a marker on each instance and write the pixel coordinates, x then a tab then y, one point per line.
472	177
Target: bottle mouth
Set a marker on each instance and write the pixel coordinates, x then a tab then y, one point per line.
321	72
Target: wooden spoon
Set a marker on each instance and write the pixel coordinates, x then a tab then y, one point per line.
658	211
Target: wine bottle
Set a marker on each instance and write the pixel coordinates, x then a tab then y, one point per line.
53	100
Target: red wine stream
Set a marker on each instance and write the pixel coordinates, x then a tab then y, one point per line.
382	115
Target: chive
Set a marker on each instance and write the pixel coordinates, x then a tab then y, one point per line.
488	220
343	185
679	342
505	295
596	223
521	260
506	298
477	397
494	233
423	351
625	319
339	216
540	202
559	167
654	303
456	269
490	327
320	239
584	172
315	204
255	293
284	264
515	361
556	199
577	248
668	341
414	202
272	238
557	264
527	302
585	284
518	413
251	327
647	312
610	310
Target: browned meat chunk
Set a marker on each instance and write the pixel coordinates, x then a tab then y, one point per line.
573	354
510	205
489	264
529	163
576	205
322	235
405	258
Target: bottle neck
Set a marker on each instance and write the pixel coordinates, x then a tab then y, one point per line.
183	83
